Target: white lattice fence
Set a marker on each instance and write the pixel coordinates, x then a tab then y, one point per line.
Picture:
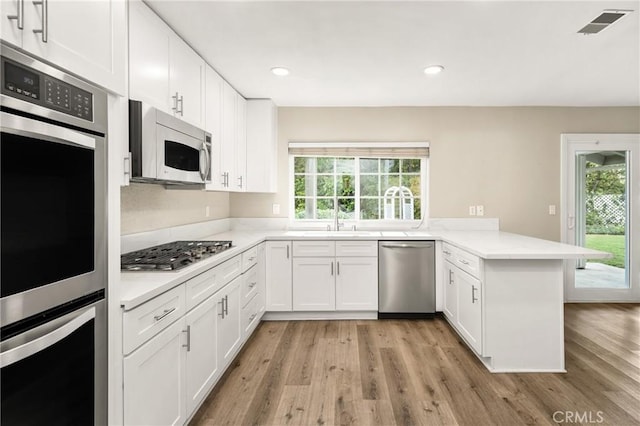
610	208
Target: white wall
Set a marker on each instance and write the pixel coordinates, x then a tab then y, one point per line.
505	158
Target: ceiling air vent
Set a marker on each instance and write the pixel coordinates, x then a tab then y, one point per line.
602	21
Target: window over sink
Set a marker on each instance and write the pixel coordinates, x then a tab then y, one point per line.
371	184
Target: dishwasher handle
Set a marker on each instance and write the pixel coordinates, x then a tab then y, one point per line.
407	245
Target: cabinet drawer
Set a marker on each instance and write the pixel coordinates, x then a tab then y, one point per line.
230	269
314	248
466	261
202	286
448	252
249	258
249	284
250	316
357	248
145	321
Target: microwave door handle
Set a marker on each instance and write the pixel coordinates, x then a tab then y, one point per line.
40	343
207	164
23	126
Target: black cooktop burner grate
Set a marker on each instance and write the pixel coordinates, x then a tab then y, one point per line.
171	256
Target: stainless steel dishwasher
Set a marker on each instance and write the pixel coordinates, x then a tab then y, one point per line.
406	279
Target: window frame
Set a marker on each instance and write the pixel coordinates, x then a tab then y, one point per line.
361	223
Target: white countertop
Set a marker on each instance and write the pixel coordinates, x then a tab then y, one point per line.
138	287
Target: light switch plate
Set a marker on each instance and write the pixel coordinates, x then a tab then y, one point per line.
552	209
472	210
480	210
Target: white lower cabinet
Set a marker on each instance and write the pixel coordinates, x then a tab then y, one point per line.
229	332
469	309
202	354
278	276
154	380
357	283
314	284
450	295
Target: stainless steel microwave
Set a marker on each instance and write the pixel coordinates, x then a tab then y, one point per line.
165	149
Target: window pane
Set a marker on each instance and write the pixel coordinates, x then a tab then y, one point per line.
325	164
304	165
347	208
325	208
326	186
369	165
303	208
303	185
411	165
387	181
389	165
369	208
416	209
369	185
413	183
345	165
346	185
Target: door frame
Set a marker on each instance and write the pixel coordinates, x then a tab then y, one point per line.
603	142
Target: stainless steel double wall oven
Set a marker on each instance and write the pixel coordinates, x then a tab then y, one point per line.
53	349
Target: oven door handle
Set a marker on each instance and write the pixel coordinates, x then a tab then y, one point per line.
40	343
35	129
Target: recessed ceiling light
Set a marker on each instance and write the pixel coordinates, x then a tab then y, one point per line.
433	69
280	71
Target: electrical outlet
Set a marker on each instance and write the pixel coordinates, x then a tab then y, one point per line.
207	211
472	210
552	209
275	208
480	210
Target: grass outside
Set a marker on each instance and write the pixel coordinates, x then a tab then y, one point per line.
613	244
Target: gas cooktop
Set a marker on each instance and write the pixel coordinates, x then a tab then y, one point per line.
171	256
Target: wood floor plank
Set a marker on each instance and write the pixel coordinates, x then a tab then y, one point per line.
396	372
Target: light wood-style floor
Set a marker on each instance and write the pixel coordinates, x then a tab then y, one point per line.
396	372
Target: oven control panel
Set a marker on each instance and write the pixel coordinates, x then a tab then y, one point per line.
24	83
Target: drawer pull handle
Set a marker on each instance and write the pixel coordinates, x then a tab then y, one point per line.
252	258
253	284
447	252
188	345
164	314
252	317
473	294
464	262
450	276
221	302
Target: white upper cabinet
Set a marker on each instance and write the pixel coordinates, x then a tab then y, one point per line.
241	144
228	127
262	145
87	38
213	125
163	70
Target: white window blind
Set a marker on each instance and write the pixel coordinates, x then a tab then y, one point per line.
360	149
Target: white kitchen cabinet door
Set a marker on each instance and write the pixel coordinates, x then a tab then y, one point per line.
469	308
186	82
202	355
241	144
213	125
262	145
229	329
450	292
228	143
9	29
148	57
357	283
278	276
154	381
87	38
314	284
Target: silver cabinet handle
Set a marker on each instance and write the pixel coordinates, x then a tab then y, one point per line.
252	258
287	251
464	262
224	175
331	268
337	268
226	179
188	345
240	179
45	19
175	103
447	252
181	110
251	318
19	16
32	347
450	276
252	284
221	302
163	314
226	305
473	294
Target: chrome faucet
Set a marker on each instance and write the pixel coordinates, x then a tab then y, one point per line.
336	222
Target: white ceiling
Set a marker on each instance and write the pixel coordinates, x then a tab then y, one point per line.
372	53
